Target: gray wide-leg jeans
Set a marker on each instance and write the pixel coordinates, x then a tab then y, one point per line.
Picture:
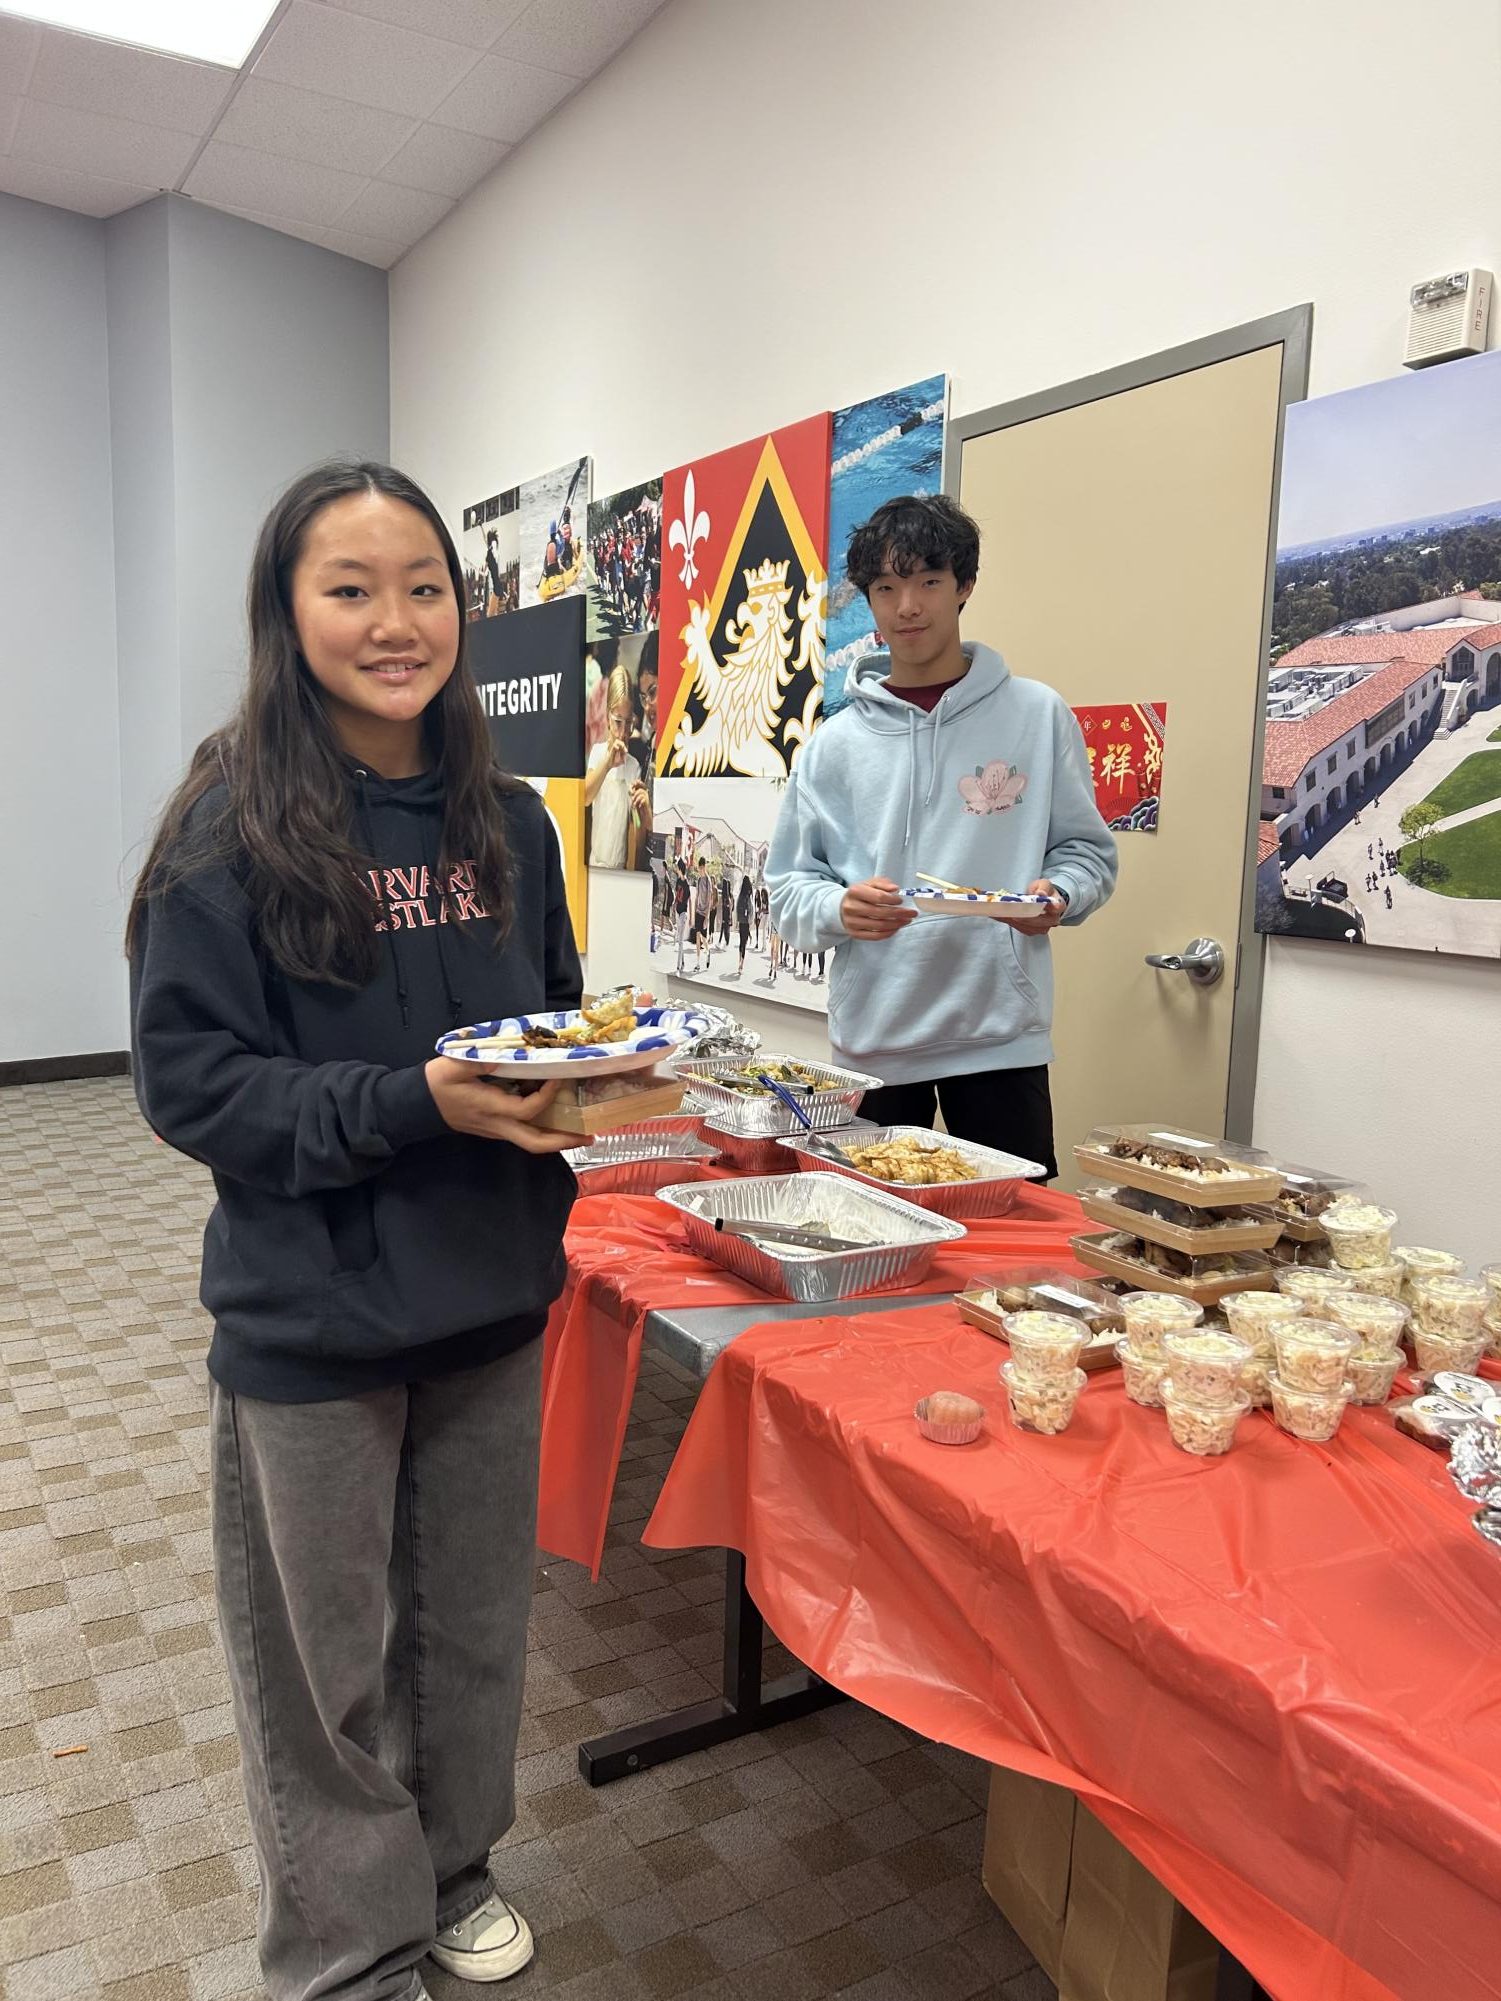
374	1571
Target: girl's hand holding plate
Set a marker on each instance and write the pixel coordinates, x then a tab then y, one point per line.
469	1103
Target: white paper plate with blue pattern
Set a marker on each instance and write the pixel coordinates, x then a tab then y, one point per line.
658	1033
971	902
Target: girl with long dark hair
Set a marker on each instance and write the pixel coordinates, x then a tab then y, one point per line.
344	874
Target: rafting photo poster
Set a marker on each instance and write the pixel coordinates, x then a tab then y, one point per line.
554	519
882	448
711	911
490	551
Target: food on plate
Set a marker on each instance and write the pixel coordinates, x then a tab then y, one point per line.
1360	1233
1312	1415
1206	1363
1042	1403
1312	1354
1172	1159
1142	1375
1372	1371
910	1163
1204	1429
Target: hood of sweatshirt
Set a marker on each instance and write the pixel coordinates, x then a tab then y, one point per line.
355	1233
992	788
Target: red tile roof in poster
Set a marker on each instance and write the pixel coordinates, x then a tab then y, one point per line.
1267	842
1290	746
1428	645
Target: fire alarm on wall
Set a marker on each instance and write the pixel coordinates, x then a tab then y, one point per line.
1450	317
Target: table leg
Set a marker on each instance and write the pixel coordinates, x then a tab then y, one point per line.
743	1707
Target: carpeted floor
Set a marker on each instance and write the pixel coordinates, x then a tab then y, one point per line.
836	1855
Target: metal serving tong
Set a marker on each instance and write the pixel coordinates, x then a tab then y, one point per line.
784	1233
781	1091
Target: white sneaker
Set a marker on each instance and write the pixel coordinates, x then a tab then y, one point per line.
492	1943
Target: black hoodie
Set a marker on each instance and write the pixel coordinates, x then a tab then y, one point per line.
357	1240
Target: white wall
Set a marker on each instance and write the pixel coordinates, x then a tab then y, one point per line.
758	212
61	971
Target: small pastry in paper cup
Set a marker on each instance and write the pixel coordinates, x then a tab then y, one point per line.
949	1418
1374	1320
1312	1415
1205	1429
1044	1404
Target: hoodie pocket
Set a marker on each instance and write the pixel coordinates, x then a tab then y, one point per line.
944	982
349	1217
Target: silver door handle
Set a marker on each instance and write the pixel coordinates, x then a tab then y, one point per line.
1203	961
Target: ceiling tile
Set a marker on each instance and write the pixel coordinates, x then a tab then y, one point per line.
116	149
304	125
238	178
503	100
384	210
475	23
443	161
90	75
349	243
18	44
366	61
575	36
84	193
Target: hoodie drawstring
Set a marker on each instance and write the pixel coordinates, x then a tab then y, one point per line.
911	775
380	889
455	1004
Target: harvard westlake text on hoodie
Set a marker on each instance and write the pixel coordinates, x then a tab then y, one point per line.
357	1240
991	789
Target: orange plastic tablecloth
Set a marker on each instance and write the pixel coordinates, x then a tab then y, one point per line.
628	1257
1276	1675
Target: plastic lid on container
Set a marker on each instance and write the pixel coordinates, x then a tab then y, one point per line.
1172	1140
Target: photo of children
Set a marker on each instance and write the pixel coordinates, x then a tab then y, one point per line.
624	569
491	552
620	731
554	515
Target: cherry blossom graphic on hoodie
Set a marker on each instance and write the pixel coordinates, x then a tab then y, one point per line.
993	788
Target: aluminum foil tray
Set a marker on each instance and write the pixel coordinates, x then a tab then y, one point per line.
637	1163
907	1237
768	1117
1000	1180
768	1156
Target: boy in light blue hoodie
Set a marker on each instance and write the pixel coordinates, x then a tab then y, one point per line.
942	764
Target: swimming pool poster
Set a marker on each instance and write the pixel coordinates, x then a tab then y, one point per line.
880	449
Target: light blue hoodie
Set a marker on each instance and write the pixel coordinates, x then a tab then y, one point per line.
992	788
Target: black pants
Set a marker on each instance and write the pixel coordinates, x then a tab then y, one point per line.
1010	1110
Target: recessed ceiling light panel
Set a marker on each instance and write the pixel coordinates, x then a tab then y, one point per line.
210	31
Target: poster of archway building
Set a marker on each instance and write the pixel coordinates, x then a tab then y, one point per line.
1380	820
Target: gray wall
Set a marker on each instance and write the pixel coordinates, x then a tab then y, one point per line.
280	357
61	974
162	376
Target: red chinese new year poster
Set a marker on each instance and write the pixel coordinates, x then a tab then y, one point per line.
1124	742
744	594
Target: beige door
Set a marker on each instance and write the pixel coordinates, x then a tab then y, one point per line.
1125	553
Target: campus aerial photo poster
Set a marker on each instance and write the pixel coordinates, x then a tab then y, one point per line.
1380	820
